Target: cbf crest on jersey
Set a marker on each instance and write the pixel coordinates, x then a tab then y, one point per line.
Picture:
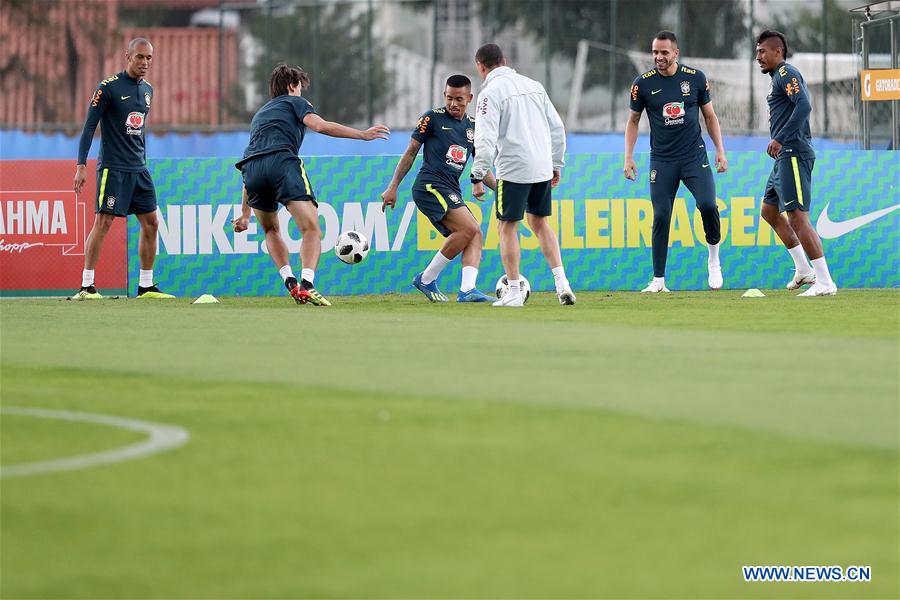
470	135
685	87
147	99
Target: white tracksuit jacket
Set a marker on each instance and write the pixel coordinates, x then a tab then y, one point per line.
517	130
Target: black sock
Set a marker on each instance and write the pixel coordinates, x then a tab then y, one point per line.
290	283
306	284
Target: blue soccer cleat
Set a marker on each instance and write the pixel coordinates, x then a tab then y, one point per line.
473	295
430	290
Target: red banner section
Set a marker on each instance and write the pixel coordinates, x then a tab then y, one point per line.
43	228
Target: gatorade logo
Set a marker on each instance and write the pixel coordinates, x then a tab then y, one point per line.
134	123
673	113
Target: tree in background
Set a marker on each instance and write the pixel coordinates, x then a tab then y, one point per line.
348	80
704	27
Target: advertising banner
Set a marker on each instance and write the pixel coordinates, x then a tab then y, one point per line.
879	84
603	221
43	228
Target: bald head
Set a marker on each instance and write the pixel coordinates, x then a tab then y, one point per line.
138	57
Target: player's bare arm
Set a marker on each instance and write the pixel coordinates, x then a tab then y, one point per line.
490	181
242	222
715	132
631	134
330	128
389	195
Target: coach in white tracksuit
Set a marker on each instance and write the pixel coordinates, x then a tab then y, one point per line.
519	132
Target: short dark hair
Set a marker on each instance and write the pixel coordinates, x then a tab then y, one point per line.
771	33
137	42
489	55
283	77
666	35
459	81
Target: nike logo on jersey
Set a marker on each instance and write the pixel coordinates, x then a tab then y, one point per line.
446	128
124	97
654	93
704	166
829	229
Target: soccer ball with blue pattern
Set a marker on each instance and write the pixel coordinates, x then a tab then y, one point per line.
351	247
503	287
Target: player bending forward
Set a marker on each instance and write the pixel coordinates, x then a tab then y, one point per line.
448	135
274	175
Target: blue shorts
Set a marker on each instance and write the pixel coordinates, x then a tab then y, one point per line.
435	200
790	184
514	199
122	193
273	179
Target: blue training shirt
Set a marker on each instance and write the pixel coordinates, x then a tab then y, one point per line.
277	126
789	110
448	144
673	107
120	105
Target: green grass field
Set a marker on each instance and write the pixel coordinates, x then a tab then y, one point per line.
629	446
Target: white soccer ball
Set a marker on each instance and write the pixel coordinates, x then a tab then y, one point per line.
503	287
351	247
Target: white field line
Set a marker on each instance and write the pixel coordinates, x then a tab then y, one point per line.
161	438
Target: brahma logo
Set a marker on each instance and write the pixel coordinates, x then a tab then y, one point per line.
456	156
32	219
134	123
673	112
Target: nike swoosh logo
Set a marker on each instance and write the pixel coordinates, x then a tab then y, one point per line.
446	128
704	166
124	97
829	229
654	93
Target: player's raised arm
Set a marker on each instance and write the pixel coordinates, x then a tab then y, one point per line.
330	128
389	195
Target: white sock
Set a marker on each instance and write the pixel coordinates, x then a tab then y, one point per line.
823	277
308	274
713	255
559	278
434	268
800	263
660	280
285	272
146	279
514	287
469	276
87	277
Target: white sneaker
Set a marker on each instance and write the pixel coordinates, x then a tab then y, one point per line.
566	296
820	290
511	300
715	277
801	279
655	287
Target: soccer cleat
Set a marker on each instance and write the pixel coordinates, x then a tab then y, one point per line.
88	292
308	296
819	290
153	292
473	295
511	300
430	290
566	296
800	279
715	277
655	287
